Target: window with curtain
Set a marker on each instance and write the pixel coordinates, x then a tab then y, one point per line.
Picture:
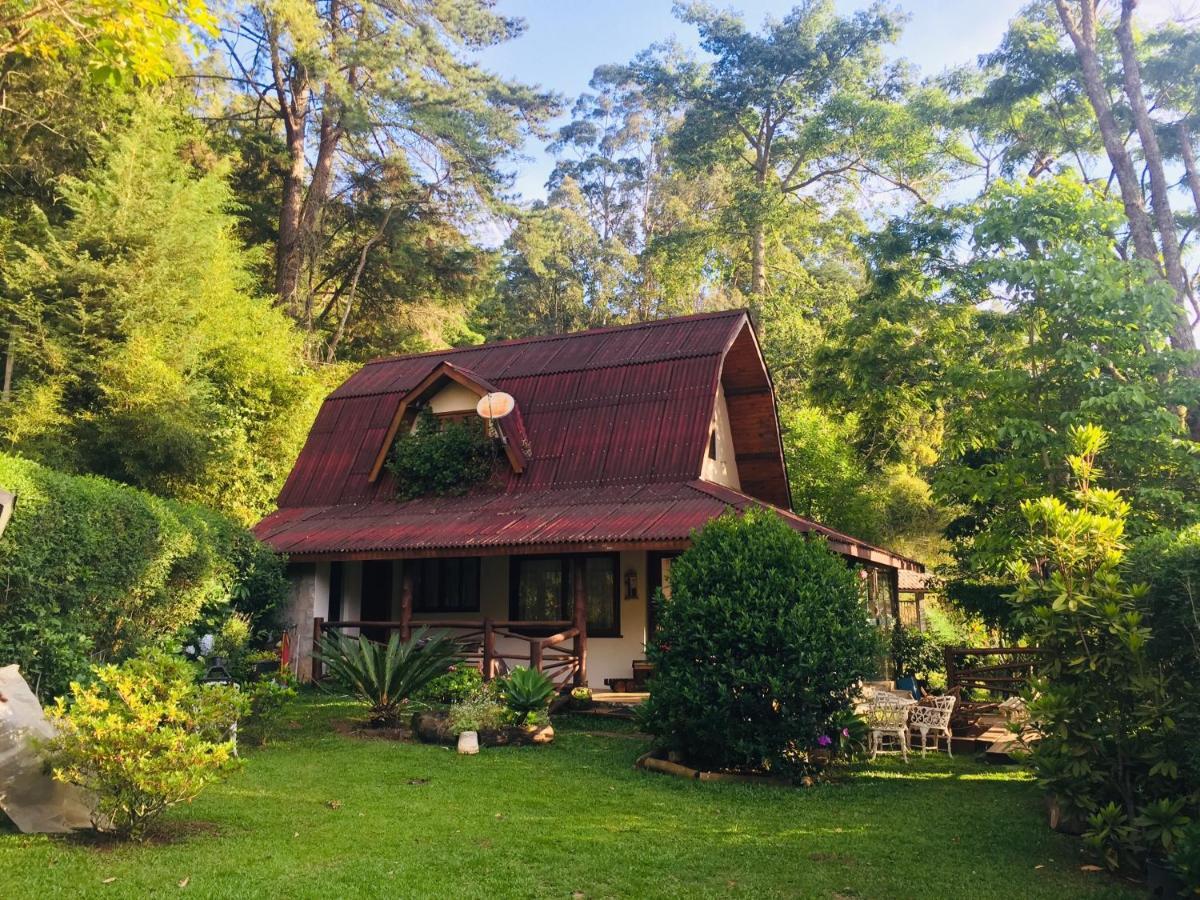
543	586
445	585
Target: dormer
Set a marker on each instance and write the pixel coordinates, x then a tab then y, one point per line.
452	392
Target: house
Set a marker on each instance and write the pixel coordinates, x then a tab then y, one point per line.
622	441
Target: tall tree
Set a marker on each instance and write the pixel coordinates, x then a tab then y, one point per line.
359	85
1082	21
804	109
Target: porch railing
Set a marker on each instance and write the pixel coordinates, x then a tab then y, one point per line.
561	655
1003	670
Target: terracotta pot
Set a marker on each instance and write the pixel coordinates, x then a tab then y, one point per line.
468	743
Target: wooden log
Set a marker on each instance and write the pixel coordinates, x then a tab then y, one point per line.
581	625
318	630
406	602
666	767
535	656
489	650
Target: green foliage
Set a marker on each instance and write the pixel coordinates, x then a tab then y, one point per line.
1185	858
526	691
762	644
441	458
141	353
453	687
115	39
268	700
143	737
916	653
95	570
479	710
1110	746
387	676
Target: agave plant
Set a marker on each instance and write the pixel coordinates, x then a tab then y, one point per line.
387	675
526	691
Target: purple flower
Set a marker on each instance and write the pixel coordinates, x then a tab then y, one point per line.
824	740
845	732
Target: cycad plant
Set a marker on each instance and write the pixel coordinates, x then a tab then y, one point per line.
526	691
387	675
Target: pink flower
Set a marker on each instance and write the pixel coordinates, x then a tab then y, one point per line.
824	740
845	732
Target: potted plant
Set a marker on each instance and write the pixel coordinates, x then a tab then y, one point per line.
581	698
478	712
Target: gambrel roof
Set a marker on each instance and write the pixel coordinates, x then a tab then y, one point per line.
611	432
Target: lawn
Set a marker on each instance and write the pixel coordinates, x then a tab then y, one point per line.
325	815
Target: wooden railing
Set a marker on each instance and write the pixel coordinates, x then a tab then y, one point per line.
1004	670
565	665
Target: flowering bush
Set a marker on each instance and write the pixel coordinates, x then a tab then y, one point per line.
142	737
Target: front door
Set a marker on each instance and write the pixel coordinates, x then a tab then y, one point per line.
376	596
658	576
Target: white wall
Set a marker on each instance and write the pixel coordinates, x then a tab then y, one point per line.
608	657
453	398
723	469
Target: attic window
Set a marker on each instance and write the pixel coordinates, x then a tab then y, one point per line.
712	444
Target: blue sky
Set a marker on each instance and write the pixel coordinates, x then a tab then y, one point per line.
566	39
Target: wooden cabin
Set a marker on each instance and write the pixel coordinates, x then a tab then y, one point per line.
622	442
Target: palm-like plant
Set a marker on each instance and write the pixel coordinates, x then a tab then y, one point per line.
526	691
386	675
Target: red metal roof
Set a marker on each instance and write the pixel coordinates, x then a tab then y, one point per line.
609	406
611	517
616	421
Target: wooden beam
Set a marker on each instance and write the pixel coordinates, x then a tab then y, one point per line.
406	602
580	596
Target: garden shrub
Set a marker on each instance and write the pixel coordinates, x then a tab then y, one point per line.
480	710
387	676
453	687
761	645
527	692
441	457
1107	712
916	653
267	701
142	737
91	570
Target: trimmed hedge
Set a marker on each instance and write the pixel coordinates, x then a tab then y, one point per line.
760	647
92	570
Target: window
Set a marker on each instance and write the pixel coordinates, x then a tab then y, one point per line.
542	590
445	585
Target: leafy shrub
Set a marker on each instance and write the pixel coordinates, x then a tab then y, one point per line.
93	570
268	700
441	458
386	676
846	736
1107	713
762	644
1185	857
478	711
453	687
916	653
526	691
143	736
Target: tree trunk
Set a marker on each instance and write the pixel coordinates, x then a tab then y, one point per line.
287	250
1160	197
1083	37
1189	163
758	259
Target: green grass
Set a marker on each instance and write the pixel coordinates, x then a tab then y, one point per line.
326	815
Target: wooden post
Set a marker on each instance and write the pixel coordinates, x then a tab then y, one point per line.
489	649
406	601
535	655
580	623
318	628
951	669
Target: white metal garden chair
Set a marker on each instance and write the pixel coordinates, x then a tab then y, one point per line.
935	720
887	717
